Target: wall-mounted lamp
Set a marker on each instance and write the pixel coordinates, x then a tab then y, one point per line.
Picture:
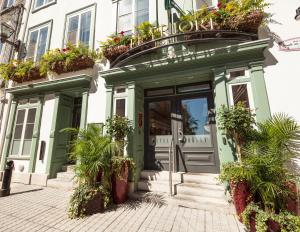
6	32
297	17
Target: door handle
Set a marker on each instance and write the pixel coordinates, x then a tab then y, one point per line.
180	136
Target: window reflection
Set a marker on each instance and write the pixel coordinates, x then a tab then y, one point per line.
195	116
160	118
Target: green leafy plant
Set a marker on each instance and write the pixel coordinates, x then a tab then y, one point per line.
117	163
71	58
81	198
287	221
147	31
117	40
236	121
119	128
20	71
93	153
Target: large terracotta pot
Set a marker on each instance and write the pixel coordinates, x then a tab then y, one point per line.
120	185
241	196
292	203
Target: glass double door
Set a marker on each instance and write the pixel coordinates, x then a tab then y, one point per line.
185	126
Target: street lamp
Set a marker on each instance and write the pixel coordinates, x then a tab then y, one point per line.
297	17
6	31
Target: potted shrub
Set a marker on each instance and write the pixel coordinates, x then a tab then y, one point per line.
70	59
120	128
116	45
147	32
20	71
93	152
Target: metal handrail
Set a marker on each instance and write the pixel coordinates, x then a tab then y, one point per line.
170	167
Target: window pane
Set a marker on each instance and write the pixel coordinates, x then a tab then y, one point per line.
29	131
18	131
193	88
141	16
235	74
160	118
125	7
203	3
85	28
159	92
240	94
120	107
42	43
125	23
20	116
39	3
15	147
142	5
31	115
26	147
72	29
32	44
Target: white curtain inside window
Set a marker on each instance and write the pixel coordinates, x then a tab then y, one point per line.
142	11
73	29
42	43
125	16
85	28
32	44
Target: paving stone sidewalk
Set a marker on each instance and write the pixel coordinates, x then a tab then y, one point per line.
32	208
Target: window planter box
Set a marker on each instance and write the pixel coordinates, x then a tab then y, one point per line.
33	74
112	53
80	63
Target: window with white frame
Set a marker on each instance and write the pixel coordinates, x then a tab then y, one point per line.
38	42
240	87
79	27
120	101
40	3
203	3
8	3
131	13
23	131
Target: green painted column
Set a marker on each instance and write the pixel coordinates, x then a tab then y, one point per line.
220	96
8	134
53	134
36	134
84	109
131	114
109	101
259	91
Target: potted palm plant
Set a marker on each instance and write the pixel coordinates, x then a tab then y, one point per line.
93	153
120	128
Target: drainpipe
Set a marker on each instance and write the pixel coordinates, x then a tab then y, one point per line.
10	57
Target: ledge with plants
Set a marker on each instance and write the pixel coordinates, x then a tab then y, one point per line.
70	59
236	17
20	71
263	188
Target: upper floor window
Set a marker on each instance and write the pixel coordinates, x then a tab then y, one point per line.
1	45
8	3
79	27
203	3
41	3
132	13
38	42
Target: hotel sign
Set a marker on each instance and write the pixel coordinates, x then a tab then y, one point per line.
290	45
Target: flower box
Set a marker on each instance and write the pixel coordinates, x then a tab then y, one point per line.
79	63
113	52
33	74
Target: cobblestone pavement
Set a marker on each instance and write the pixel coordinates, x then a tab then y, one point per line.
32	208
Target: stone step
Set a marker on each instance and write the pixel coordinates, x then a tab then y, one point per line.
154	186
60	184
180	177
204	203
68	168
204	190
65	176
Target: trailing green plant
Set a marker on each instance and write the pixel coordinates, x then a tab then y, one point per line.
81	197
119	128
287	221
236	121
117	40
18	70
64	60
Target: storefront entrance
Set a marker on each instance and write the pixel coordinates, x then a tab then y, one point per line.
181	119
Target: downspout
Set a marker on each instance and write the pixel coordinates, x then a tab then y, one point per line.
11	56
